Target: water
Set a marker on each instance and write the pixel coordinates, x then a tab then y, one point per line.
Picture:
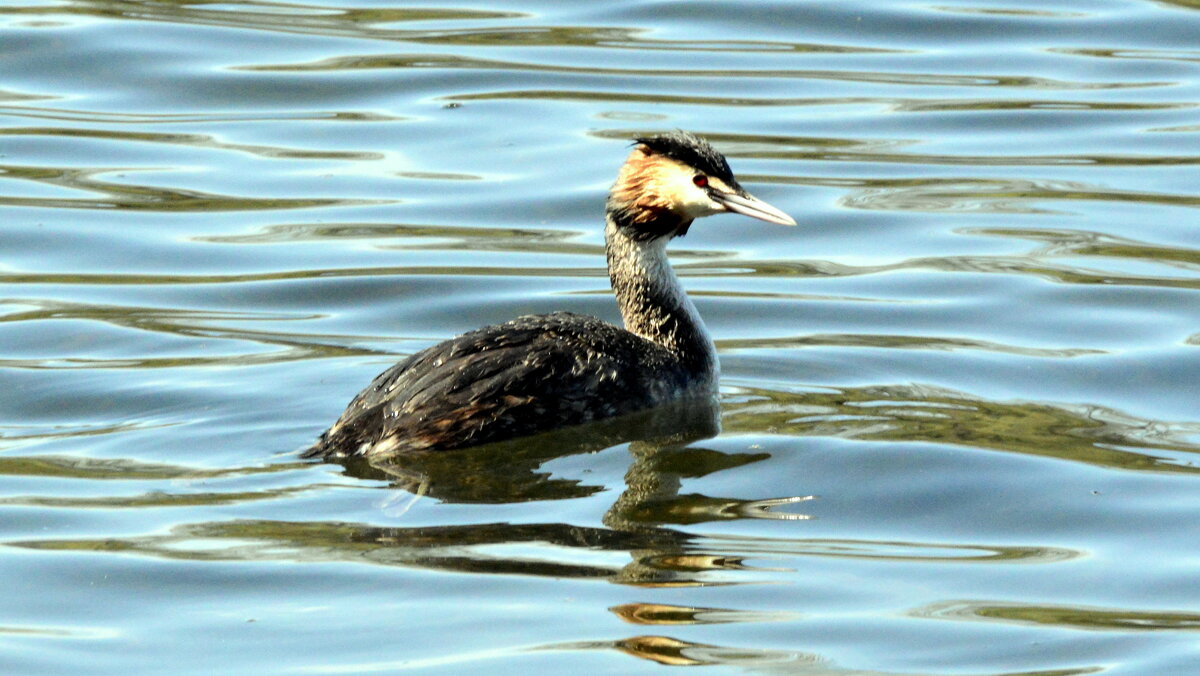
979	352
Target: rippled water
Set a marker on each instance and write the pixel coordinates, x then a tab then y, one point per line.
959	420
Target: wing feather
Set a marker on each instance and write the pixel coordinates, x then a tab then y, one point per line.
528	375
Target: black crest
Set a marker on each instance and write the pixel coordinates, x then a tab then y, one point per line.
693	151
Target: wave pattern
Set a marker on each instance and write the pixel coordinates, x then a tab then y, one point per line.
958	428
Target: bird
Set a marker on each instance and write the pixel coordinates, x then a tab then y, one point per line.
538	373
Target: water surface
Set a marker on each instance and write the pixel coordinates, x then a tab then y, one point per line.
958	429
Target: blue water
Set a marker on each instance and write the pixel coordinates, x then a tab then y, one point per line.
958	420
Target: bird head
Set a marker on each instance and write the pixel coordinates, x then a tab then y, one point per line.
672	179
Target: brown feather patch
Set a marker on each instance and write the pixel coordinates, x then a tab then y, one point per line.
647	197
641	188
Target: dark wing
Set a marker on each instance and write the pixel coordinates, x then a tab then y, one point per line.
529	375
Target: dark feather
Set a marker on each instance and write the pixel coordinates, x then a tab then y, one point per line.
693	151
529	375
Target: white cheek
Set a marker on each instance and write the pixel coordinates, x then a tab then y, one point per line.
696	204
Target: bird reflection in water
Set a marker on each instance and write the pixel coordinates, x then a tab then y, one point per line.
662	445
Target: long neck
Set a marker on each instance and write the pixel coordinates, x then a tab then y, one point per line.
652	301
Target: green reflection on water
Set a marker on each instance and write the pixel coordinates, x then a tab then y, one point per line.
186	323
153	118
270	16
988	195
900	342
124	469
444	237
192	140
133	196
1086	243
157	499
1073	617
1089	434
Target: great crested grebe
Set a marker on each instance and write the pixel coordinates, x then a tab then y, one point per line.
542	372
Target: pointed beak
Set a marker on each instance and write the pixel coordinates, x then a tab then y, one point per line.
748	205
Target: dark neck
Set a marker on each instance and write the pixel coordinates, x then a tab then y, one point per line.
652	301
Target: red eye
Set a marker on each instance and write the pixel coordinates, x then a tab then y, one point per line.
700	180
